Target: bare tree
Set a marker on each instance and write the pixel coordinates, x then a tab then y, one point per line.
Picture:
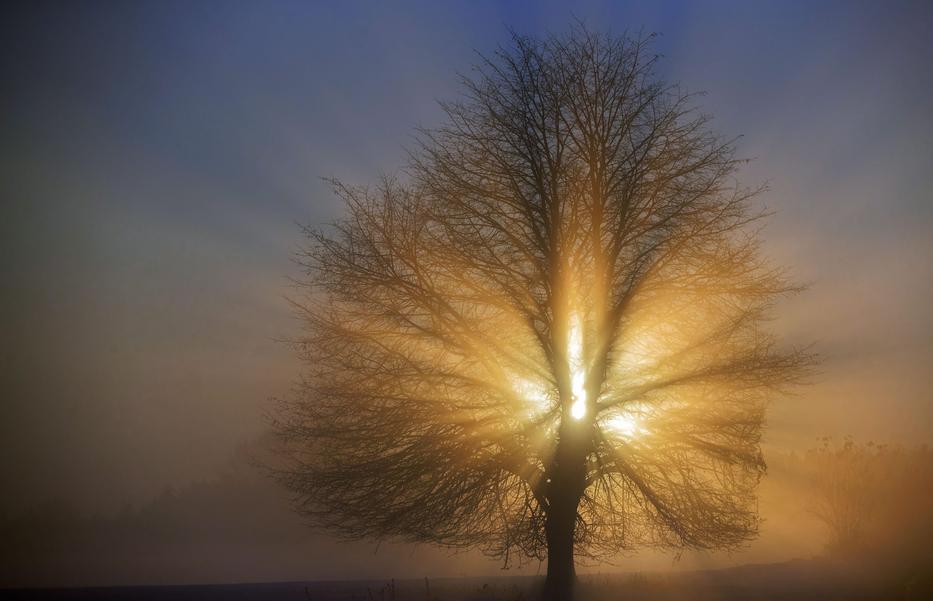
874	501
847	485
549	340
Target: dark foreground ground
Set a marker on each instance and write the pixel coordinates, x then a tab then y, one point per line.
798	580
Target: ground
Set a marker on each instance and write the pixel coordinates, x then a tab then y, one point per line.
798	580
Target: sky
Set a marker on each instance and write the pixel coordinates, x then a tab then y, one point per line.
158	158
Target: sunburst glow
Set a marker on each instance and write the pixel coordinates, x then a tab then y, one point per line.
578	374
578	409
535	395
627	425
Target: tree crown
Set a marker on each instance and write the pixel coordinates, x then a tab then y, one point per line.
570	257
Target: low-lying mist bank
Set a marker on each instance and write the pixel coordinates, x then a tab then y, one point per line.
862	507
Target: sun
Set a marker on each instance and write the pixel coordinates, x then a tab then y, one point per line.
577	369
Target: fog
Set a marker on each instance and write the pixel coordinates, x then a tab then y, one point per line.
158	158
239	527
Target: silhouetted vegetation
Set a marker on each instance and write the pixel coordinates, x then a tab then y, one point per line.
552	340
875	502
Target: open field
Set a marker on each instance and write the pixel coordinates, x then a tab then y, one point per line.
799	579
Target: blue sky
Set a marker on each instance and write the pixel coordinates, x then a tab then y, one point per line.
157	158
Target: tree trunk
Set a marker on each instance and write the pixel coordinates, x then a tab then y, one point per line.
567	481
561	575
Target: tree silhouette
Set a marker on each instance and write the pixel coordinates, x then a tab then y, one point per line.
549	339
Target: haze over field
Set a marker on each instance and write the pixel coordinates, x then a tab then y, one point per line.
157	158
